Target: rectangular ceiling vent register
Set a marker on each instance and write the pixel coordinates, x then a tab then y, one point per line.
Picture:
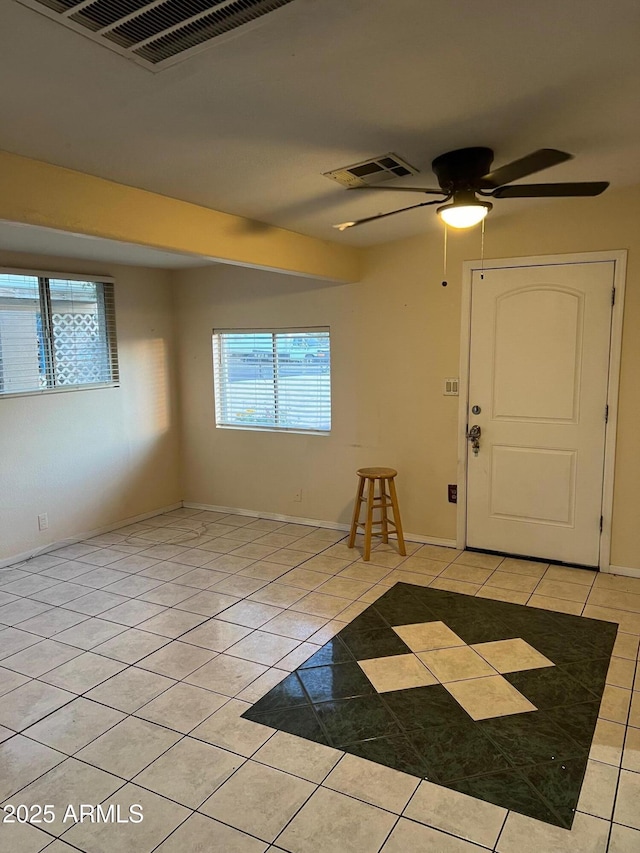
155	33
374	171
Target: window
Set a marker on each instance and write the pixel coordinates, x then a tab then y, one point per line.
55	333
273	379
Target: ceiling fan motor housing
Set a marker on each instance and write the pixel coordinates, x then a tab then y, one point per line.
462	169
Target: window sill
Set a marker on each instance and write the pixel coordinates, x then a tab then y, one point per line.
46	392
273	430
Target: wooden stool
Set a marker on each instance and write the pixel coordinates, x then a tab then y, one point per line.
380	501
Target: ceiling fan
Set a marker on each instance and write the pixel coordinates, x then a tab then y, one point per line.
465	174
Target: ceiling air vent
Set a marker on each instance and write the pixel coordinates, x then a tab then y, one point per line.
374	171
155	33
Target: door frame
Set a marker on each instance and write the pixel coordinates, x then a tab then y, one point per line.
619	259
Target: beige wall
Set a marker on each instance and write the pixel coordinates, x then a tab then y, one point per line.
395	335
391	342
92	458
83	204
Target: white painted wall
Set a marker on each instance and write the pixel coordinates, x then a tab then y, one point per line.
95	457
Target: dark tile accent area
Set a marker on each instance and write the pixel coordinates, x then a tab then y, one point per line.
368	620
551	687
560	648
425	707
288	694
333	652
533	763
559	783
509	789
302	722
592	674
340	681
395	752
480	628
401	611
349	720
375	643
457	752
579	722
526	739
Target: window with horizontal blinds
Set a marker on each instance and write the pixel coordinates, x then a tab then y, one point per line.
56	333
273	379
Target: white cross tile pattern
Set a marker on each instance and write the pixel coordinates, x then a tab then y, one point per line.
397	672
512	655
425	636
470	673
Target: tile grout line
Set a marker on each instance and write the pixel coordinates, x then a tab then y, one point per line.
502	828
620	767
389	834
132	781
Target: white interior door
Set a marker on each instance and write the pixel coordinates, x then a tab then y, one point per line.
539	358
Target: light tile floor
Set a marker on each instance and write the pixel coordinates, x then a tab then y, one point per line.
127	661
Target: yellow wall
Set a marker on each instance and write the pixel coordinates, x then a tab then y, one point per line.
36	193
92	458
395	335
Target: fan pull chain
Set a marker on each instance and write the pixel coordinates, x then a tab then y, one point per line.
444	265
482	253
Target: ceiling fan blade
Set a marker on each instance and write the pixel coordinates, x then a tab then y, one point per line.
400	189
344	225
543	158
585	188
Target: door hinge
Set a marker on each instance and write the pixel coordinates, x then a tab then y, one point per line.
613	296
601	523
606	414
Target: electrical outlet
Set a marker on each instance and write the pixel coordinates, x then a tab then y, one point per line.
297	497
43	521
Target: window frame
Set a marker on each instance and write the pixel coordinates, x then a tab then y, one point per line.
107	296
219	391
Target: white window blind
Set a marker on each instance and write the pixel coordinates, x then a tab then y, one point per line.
273	379
55	333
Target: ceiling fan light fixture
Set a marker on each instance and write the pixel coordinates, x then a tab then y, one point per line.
464	211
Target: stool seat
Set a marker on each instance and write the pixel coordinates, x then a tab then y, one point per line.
377	473
383	501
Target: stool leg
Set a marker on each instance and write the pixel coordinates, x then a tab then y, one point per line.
396	517
383	504
369	522
356	514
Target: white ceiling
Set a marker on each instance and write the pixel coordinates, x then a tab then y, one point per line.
34	240
249	125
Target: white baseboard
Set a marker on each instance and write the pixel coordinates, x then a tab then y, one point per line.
273	516
314	522
430	540
52	546
627	571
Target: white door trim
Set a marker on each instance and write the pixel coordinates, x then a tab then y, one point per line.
619	259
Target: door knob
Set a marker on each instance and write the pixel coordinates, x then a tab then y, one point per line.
473	435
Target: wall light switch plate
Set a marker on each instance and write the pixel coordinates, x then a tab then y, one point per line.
451	387
43	521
